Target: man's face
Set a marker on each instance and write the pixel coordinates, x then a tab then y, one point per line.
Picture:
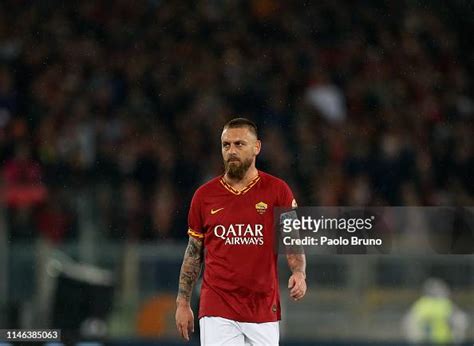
239	149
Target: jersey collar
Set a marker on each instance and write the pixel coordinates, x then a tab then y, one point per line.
244	190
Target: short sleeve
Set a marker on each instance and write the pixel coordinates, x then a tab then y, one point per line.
287	199
195	228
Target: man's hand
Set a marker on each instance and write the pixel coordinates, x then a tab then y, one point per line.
184	320
297	285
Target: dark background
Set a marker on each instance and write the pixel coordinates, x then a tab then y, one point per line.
111	114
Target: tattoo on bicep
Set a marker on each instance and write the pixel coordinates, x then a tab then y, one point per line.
191	267
194	249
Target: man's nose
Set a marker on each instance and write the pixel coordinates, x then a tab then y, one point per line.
232	149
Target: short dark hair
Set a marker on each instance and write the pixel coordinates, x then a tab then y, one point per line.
242	122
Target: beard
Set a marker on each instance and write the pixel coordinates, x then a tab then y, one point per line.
237	169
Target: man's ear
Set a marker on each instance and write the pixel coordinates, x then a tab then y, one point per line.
258	146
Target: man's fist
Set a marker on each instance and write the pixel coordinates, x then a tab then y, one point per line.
184	320
297	285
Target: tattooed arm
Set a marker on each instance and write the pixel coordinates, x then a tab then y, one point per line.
297	281
296	261
190	270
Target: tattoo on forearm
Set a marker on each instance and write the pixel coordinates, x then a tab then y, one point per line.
191	268
297	263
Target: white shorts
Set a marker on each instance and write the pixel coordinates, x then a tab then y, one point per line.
221	331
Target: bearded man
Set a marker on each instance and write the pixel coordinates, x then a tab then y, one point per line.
231	230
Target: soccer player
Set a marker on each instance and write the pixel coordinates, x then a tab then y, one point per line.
231	230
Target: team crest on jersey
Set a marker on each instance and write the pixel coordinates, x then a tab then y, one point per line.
261	207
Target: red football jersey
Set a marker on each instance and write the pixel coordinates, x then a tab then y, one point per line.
240	274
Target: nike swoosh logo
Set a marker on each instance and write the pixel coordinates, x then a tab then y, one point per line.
214	211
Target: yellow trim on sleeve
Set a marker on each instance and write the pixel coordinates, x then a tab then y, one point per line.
195	234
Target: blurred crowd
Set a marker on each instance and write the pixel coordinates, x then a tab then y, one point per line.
357	103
